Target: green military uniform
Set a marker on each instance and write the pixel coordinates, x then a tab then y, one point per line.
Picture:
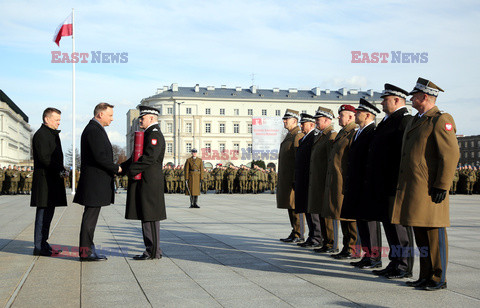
15	178
21	183
456	177
205	178
272	180
242	179
2	179
181	180
169	179
218	178
471	178
254	176
231	173
28	181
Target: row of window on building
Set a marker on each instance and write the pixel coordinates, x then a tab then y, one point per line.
236	112
208	128
208	147
472	154
465	144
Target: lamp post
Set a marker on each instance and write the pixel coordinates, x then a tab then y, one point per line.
176	132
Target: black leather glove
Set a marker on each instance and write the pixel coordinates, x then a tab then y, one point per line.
437	194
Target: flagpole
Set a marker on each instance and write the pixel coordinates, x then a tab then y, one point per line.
74	154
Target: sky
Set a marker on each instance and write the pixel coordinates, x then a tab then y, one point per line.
285	44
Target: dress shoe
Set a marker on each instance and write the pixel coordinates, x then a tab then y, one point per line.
288	239
370	264
359	263
420	283
196	206
191	207
141	257
383	272
344	255
93	257
398	274
308	244
326	249
45	253
434	286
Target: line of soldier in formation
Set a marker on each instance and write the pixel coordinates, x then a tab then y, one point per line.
397	174
466	180
221	179
15	180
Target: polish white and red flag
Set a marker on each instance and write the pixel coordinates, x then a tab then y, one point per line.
64	29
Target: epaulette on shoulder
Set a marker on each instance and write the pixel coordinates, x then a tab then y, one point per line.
299	132
333	131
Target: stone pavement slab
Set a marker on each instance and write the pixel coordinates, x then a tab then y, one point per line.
225	254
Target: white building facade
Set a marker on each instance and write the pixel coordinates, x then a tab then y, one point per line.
15	134
218	121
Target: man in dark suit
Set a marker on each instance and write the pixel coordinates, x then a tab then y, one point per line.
355	191
145	197
96	185
48	190
383	164
302	170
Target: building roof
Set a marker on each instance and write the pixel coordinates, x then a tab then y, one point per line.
252	93
11	104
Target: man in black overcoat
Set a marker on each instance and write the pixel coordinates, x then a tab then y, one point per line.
383	166
302	170
48	190
145	197
95	186
355	191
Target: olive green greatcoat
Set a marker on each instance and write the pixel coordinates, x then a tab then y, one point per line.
336	170
193	174
322	145
430	155
286	167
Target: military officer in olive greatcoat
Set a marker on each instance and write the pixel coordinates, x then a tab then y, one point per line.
430	155
286	170
322	145
194	170
334	183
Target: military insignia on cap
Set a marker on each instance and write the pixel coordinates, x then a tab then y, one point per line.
392	90
305	117
427	87
346	108
367	106
144	110
324	112
448	126
290	113
154	141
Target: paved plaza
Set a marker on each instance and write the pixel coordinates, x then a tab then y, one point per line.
225	254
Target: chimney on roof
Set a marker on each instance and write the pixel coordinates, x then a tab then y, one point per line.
317	91
238	89
223	86
165	88
210	88
197	87
327	91
174	87
159	90
292	90
253	89
276	90
370	92
343	91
